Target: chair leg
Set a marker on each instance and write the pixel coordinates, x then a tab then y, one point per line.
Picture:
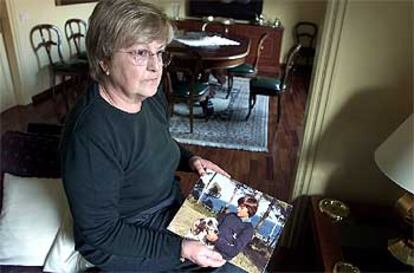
170	109
53	86
279	107
191	105
54	97
252	102
64	93
229	85
207	107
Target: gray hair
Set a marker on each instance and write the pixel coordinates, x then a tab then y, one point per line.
116	24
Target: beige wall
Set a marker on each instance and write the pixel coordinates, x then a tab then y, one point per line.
31	78
292	11
23	14
371	94
8	97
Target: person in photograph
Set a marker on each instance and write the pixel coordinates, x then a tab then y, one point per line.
118	158
235	228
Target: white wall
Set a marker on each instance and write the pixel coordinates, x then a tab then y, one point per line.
371	94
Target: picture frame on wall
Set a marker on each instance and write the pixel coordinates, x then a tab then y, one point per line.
71	2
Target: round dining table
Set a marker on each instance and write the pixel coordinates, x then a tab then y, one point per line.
210	58
217	56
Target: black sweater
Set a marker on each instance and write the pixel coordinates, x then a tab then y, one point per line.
116	164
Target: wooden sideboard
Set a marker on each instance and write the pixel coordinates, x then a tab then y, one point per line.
269	60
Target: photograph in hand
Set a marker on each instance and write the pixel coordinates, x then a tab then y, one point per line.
241	223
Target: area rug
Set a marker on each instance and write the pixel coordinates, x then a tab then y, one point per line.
227	127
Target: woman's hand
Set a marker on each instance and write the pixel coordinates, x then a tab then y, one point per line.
200	165
212	237
200	254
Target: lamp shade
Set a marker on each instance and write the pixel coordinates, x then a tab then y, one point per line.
395	156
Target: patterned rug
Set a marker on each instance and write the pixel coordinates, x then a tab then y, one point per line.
227	128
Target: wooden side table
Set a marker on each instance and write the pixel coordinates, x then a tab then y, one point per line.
311	241
360	239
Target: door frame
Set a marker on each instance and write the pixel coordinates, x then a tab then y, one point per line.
320	91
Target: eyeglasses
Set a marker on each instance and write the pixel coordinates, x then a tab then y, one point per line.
140	57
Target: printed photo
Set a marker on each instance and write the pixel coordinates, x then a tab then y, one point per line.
241	223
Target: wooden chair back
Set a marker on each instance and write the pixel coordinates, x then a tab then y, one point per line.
185	65
290	62
221	26
259	50
48	38
75	32
180	80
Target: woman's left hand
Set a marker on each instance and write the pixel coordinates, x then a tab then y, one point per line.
212	237
200	165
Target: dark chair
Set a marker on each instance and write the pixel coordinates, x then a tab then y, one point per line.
305	34
246	70
48	38
75	32
268	86
182	84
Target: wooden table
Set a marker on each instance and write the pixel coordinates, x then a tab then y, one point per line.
318	243
360	239
269	59
218	57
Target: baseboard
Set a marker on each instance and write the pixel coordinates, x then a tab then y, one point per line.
42	96
47	94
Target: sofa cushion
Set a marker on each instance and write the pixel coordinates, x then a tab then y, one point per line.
30	218
25	155
63	257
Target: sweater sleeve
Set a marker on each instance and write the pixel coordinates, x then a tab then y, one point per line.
184	159
229	250
92	178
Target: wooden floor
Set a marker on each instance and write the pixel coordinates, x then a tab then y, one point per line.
272	172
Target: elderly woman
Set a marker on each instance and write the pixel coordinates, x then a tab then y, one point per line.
118	157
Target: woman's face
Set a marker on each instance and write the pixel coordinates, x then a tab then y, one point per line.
134	80
242	212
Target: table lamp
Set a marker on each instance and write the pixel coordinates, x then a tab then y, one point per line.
395	159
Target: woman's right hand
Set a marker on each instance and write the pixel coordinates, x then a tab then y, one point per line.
200	254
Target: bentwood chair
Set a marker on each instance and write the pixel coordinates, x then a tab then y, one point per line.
75	32
47	39
182	82
305	34
268	86
246	70
221	25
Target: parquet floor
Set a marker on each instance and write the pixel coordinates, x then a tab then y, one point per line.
272	172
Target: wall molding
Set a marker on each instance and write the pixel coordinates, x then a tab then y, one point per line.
13	48
320	92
